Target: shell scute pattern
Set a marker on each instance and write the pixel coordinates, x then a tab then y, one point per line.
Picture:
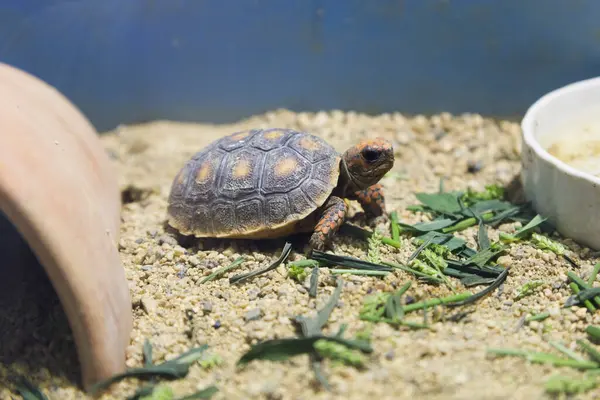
223	217
277	209
271	138
241	172
322	170
252	183
300	201
202	219
236	140
315	189
249	215
284	171
203	176
312	148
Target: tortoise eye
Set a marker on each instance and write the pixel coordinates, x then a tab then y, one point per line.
371	154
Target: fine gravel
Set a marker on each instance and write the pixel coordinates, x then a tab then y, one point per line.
175	311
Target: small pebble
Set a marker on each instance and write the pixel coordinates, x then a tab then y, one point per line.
557	284
207	307
253	293
505	261
474	166
554	311
534	325
581	313
194	261
217	324
439	135
149	305
168	240
253	314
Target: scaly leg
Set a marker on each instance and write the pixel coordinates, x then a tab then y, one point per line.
332	217
372	201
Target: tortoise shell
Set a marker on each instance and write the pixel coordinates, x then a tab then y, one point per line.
256	183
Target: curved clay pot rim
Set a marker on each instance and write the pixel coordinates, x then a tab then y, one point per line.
59	190
529	125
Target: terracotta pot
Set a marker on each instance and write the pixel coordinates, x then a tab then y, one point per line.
59	190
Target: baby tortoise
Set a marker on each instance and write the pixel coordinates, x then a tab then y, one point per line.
268	183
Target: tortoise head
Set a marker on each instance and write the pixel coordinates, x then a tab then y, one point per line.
365	163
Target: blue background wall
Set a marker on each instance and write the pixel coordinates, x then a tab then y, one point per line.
124	61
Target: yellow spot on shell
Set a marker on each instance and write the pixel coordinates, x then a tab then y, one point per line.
239	136
273	135
204	172
181	177
286	166
242	169
309	143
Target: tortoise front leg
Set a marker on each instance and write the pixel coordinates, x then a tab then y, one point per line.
333	215
372	201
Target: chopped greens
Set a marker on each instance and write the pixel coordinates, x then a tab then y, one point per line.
175	368
545	358
312	341
159	392
210	361
339	352
443	203
558	384
524	232
287	249
593	333
440	255
456	211
593	275
373	253
483	241
314	282
395	227
545	243
537	317
588	304
164	392
328	259
298	273
223	270
28	390
390	308
358	232
491	192
528	289
583	293
283	349
449	241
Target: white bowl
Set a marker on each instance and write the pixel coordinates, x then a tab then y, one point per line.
568	196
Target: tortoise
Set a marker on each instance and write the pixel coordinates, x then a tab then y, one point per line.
270	183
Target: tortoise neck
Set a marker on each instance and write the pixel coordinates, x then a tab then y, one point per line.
347	185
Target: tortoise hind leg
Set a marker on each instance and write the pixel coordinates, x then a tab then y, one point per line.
333	215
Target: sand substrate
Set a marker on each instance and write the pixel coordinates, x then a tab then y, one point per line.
175	312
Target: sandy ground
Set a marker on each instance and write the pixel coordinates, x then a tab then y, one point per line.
175	312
